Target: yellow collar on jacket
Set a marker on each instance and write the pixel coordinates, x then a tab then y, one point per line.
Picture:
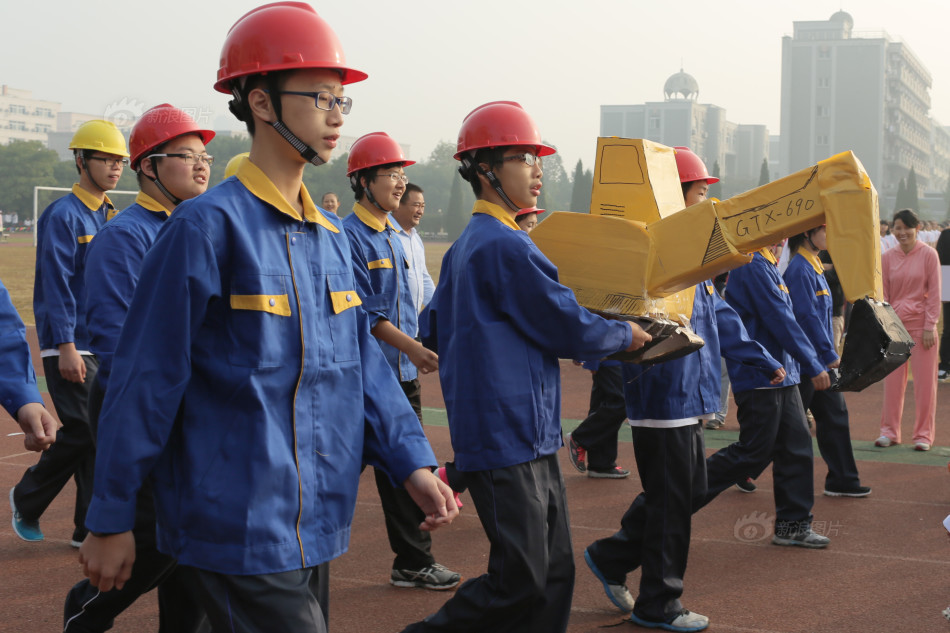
811	258
497	212
261	186
90	200
148	202
370	220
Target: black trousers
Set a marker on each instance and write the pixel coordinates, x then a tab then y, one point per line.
530	579
412	546
263	603
72	455
597	434
655	531
834	435
772	429
87	610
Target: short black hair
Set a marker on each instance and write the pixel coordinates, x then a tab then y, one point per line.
273	82
491	156
410	188
908	217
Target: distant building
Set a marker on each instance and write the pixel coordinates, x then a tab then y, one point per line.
23	118
66	125
681	120
866	92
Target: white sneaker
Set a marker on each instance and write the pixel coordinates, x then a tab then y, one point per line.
686	621
883	441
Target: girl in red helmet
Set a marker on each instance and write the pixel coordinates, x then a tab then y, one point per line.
499	320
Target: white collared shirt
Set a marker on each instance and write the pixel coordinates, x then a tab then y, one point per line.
421	285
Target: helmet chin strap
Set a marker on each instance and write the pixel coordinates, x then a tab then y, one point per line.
309	154
467	163
175	200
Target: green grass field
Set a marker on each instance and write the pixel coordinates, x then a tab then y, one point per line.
18	258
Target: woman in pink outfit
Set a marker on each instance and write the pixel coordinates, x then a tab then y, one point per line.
911	274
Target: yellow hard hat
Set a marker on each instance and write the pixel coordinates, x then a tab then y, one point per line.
100	136
234	163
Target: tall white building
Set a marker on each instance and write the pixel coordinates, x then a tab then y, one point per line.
680	120
866	92
23	118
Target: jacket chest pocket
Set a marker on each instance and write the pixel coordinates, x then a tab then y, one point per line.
342	315
262	332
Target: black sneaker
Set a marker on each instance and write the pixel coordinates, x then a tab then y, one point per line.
434	576
747	486
802	538
577	454
611	473
857	491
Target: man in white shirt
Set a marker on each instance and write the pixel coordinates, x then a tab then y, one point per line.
406	217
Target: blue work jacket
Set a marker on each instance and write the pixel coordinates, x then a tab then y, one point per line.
380	269
63	234
246	381
500	320
811	302
17	378
113	264
758	294
689	387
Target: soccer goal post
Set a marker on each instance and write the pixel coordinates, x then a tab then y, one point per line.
36	198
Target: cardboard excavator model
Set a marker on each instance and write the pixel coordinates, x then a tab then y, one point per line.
639	253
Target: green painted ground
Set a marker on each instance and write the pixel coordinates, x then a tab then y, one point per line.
865	451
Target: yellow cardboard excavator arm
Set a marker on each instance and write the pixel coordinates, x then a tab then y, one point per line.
641	253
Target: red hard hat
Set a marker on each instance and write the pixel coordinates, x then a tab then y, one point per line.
375	148
691	166
281	36
527	211
159	125
499	124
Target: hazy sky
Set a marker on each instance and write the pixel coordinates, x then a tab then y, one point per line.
431	61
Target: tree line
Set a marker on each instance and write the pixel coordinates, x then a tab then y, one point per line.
449	199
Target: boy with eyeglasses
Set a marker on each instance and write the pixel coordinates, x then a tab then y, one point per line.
375	169
168	156
246	384
500	320
64	232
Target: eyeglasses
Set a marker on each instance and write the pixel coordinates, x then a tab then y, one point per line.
111	162
527	158
324	100
189	158
404	179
